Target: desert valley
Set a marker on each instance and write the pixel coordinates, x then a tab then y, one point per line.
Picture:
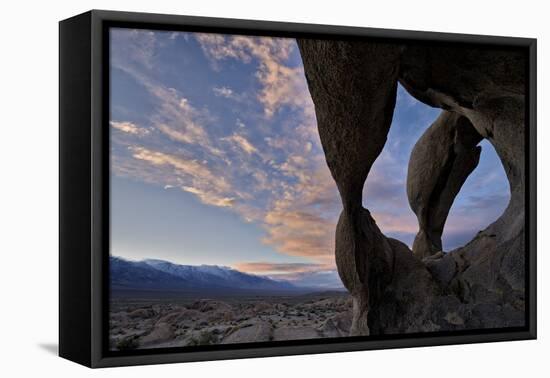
194	306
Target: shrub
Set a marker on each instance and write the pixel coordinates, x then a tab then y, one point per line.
128	343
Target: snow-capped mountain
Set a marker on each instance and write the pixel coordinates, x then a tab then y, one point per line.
163	275
220	276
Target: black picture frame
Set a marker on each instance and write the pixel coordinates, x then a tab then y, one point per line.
84	190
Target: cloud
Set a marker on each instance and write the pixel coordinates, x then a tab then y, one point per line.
181	121
304	205
300	274
474	213
134	53
210	198
385	189
277	268
396	222
129	127
298	225
216	48
295	166
188	174
327	279
133	45
242	143
178	119
281	84
240	123
300	234
483	206
226	92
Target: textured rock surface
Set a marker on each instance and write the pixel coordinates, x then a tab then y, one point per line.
295	333
481	91
136	323
161	332
440	163
454	76
251	332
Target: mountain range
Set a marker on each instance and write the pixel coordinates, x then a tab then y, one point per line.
160	275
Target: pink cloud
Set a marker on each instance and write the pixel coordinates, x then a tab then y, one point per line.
277	268
282	85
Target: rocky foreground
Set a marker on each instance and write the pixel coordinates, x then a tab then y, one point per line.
136	324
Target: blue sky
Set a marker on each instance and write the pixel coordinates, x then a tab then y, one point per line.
216	159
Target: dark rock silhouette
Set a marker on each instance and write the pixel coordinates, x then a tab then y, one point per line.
354	100
440	163
482	92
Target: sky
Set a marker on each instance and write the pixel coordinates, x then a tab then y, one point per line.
216	159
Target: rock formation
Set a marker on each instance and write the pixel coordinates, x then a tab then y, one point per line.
136	322
440	163
354	100
482	94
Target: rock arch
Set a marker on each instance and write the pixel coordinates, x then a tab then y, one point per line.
481	92
440	163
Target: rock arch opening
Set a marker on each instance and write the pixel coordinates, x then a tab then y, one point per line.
385	190
481	201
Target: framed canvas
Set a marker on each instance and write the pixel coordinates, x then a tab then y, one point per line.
234	188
